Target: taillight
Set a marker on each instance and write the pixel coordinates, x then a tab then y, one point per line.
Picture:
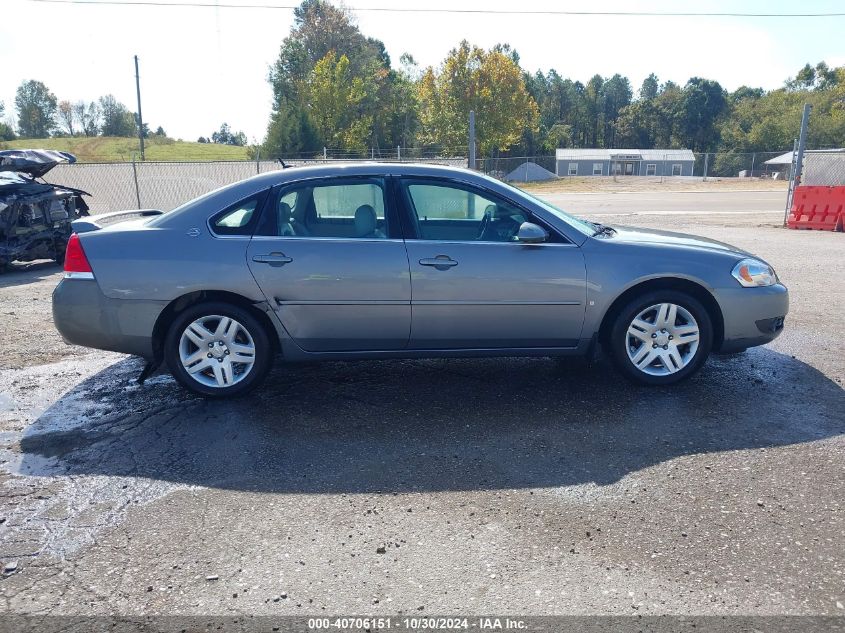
75	259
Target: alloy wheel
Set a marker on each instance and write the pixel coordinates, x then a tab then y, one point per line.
217	351
662	339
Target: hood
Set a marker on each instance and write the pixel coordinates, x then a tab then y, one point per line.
634	235
35	162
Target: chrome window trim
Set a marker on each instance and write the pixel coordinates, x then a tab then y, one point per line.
494	242
317	238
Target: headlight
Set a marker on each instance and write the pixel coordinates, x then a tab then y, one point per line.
753	272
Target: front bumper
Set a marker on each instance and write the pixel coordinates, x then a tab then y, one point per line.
83	315
752	316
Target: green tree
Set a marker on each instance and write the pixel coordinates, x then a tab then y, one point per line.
488	82
6	131
668	116
67	117
704	104
336	99
225	136
290	132
650	88
805	79
615	96
36	107
87	115
558	136
319	29
770	121
117	120
593	97
818	77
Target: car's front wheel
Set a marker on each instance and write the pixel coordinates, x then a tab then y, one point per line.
218	350
661	338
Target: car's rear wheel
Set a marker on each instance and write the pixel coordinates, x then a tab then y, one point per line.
60	249
661	338
218	350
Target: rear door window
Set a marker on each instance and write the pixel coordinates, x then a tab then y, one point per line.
349	208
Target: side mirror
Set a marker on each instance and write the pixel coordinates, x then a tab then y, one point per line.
531	234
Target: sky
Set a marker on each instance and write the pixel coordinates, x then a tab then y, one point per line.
203	66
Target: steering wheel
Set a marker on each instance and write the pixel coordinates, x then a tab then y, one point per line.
482	228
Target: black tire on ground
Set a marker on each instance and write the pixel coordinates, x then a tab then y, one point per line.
619	336
264	349
60	250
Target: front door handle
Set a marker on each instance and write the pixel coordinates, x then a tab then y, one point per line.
274	259
441	262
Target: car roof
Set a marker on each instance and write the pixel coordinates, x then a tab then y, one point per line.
363	168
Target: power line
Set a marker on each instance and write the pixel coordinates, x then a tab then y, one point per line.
654	14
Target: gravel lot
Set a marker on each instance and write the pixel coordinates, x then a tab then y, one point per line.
471	486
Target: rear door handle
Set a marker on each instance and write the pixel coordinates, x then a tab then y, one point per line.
274	259
441	262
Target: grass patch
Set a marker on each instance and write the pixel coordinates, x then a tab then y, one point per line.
103	149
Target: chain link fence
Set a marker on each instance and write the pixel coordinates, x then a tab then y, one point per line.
166	185
824	167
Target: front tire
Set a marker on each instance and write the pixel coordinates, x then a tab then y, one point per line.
661	338
218	350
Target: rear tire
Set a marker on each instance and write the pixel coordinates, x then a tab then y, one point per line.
661	338
60	251
218	350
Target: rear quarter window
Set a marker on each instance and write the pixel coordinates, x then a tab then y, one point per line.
238	219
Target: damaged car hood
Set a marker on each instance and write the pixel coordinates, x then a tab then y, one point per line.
34	162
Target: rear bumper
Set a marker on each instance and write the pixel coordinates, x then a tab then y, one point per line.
752	316
83	315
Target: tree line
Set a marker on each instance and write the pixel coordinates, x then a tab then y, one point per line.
334	86
41	115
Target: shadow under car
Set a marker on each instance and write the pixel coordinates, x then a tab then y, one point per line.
428	425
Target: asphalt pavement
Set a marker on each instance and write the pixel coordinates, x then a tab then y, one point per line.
769	203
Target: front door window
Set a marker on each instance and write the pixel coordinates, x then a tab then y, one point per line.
452	213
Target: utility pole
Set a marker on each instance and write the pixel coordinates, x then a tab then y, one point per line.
798	160
140	118
471	139
802	143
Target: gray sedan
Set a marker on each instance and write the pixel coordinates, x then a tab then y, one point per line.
364	261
